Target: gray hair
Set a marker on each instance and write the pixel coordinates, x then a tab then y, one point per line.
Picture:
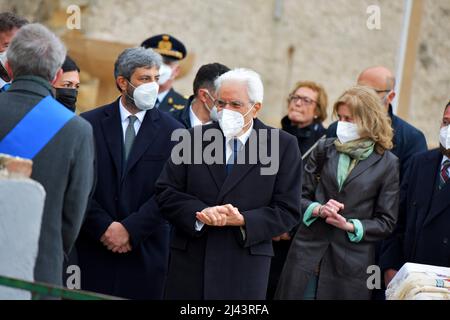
36	51
131	59
252	80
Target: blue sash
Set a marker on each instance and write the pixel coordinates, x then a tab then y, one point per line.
36	129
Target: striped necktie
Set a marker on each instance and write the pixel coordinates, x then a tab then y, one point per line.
444	177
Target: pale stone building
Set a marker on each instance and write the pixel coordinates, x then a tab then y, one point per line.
328	41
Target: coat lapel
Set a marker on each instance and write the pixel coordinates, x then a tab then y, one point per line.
239	171
427	177
332	157
441	198
113	134
147	133
361	167
217	170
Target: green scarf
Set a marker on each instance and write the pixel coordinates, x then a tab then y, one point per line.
350	154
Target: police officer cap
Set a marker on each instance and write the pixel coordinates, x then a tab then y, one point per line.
166	45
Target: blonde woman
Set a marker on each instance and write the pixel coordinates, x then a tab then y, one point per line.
349	201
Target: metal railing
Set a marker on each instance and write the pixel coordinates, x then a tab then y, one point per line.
40	290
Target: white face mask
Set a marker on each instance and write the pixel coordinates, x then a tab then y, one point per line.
232	122
165	72
145	95
444	137
347	131
213	114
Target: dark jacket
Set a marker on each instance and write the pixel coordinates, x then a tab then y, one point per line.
183	115
172	101
65	167
423	233
125	193
407	140
217	262
370	193
307	136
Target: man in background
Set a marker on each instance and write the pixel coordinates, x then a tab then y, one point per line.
422	233
173	51
200	109
9	25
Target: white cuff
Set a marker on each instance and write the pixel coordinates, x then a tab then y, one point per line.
199	225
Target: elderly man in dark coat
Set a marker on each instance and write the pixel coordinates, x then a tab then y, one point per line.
225	213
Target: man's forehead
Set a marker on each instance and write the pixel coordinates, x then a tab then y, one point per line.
376	81
233	86
146	71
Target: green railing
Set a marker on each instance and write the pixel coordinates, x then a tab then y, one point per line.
40	290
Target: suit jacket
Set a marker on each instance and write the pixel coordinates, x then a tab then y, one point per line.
422	234
173	101
407	140
217	262
125	193
65	167
370	194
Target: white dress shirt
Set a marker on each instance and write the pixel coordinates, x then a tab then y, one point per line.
195	121
242	138
3	82
124	114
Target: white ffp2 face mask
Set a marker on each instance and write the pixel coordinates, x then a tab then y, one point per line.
347	131
213	114
232	122
444	137
145	95
165	72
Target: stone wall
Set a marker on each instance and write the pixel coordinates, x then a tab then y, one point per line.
321	40
431	86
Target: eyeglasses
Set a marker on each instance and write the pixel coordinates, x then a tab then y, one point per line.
304	100
234	104
382	91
